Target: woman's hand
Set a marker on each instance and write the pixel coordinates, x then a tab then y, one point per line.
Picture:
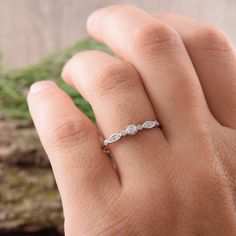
179	179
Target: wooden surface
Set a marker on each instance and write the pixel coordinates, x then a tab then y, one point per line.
30	29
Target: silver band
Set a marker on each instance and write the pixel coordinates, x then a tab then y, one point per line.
131	130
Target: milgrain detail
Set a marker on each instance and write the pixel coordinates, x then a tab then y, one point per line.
131	130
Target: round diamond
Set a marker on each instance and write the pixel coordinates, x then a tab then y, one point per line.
131	130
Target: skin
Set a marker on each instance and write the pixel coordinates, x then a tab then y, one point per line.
175	180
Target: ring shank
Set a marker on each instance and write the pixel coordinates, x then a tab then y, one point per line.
130	131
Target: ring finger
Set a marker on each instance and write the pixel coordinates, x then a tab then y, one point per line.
118	99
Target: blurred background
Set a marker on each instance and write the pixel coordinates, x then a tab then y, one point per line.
30	29
36	39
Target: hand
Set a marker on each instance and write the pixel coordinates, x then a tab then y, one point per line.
175	180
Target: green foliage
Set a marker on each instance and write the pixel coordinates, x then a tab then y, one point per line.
14	85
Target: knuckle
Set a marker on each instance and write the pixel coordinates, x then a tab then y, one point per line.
213	178
115	79
202	133
69	131
152	37
210	39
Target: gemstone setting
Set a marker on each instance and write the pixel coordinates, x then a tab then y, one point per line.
149	124
131	130
114	137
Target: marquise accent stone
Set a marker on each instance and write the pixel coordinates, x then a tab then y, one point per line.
114	137
149	124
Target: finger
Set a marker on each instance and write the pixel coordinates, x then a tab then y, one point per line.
158	53
118	99
214	59
81	169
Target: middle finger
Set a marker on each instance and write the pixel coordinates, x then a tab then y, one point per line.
158	53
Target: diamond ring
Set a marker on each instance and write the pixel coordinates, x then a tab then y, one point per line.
131	130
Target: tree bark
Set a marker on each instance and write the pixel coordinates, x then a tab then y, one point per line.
29	200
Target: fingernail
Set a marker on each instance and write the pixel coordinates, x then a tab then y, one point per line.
93	16
42	85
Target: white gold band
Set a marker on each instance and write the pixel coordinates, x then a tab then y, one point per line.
131	130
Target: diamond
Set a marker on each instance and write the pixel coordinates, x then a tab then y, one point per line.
114	137
149	124
131	130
